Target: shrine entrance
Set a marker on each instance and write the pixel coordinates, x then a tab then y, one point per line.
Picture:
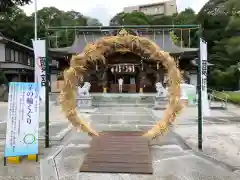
127	72
125	65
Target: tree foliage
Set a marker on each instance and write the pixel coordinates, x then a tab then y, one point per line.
3	79
6	5
16	25
220	21
187	16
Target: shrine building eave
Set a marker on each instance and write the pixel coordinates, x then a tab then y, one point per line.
163	41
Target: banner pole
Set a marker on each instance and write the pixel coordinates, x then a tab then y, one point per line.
35	20
199	85
47	95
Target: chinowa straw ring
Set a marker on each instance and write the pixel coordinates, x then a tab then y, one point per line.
97	52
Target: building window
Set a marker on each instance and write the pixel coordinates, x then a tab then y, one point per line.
8	54
20	57
32	61
29	61
16	56
25	59
12	55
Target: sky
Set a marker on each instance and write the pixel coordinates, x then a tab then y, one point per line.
104	10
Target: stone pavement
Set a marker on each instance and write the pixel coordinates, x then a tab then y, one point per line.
172	157
221	133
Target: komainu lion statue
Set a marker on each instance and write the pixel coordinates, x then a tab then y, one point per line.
161	91
84	91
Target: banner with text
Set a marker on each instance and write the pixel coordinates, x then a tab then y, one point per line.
23	119
39	47
204	64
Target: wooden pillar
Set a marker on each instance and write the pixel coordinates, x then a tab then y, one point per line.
19	76
105	81
27	78
142	78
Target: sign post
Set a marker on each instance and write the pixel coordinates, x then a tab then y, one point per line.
23	121
42	79
203	105
204	62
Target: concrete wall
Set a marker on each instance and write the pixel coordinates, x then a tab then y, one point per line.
131	9
153	10
166	8
2	52
170	7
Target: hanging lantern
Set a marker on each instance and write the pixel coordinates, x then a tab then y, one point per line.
96	67
112	70
157	65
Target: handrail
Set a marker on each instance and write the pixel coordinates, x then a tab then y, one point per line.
213	92
223	99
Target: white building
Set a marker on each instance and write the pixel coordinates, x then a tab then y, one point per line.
166	8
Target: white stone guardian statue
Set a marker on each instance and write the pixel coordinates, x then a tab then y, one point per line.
84	100
161	91
84	91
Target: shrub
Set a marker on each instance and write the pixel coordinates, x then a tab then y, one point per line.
233	97
3	79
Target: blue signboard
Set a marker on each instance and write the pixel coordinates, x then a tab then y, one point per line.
23	119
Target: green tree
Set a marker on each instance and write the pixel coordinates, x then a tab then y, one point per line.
3	79
16	25
134	18
6	5
220	21
93	22
187	37
162	20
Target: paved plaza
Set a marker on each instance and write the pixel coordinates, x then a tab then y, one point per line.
175	156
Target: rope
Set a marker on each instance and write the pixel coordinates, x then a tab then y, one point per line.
66	33
85	38
154	35
189	38
181	39
163	38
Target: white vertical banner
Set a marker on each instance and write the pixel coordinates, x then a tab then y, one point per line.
39	47
23	119
204	62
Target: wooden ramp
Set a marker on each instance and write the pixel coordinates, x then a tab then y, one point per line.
118	152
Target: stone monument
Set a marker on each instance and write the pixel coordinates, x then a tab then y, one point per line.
161	97
84	99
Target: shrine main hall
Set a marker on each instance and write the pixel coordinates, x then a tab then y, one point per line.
138	73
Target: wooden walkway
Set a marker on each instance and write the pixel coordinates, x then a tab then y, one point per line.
118	152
